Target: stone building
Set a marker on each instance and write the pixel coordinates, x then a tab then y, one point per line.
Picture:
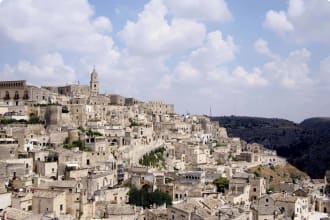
94	84
18	93
49	202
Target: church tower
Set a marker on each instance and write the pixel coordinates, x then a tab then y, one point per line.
94	84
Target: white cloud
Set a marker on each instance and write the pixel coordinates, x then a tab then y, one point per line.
50	25
278	22
304	21
290	72
102	24
207	65
186	72
215	51
261	46
153	35
213	10
253	78
205	62
49	69
296	8
219	75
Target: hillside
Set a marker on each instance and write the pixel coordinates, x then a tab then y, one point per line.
276	175
305	145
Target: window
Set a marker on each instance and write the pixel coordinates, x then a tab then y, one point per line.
254	189
61	207
7	96
87	162
26	95
53	170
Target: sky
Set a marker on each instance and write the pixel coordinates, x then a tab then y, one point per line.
254	58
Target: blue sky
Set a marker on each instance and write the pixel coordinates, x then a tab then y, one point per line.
259	58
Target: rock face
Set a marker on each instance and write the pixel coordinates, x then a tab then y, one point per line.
305	145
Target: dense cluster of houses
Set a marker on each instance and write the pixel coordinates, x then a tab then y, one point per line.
69	152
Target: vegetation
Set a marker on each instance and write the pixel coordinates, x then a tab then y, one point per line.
305	145
35	120
272	167
44	105
220	145
154	158
146	199
32	120
222	184
168	180
256	173
78	144
270	190
74	144
91	133
133	123
65	109
87	149
278	174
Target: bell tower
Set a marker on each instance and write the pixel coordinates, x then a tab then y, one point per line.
94	84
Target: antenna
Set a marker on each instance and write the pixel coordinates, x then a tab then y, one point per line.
210	113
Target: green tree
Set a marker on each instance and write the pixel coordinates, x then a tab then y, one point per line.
221	183
147	199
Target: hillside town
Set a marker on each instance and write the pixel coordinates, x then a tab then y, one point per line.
68	152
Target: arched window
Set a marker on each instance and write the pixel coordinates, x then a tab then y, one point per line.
7	96
16	96
26	95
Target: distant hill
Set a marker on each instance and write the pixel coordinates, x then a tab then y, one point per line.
305	145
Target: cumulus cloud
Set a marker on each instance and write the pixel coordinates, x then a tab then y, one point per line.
290	72
278	22
153	35
261	47
49	69
167	53
213	10
216	51
253	78
186	72
102	24
50	25
303	21
208	64
205	61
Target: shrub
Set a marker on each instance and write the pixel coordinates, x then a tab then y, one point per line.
146	199
221	183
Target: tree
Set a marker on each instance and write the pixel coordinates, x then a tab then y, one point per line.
146	199
221	183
